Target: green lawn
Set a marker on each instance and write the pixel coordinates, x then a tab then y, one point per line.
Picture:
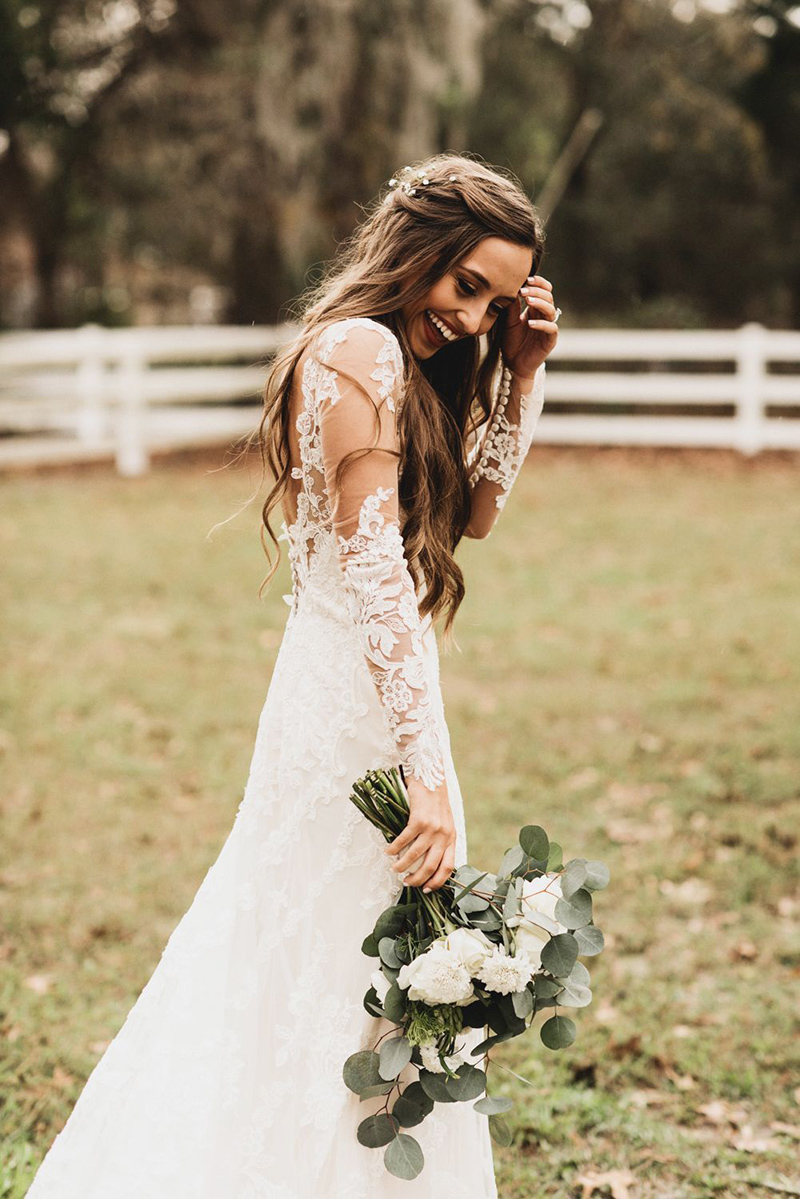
628	677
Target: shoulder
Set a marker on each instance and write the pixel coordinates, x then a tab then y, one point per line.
365	349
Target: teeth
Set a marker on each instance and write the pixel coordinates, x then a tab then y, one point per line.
441	326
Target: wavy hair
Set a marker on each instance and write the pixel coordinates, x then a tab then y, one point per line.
405	244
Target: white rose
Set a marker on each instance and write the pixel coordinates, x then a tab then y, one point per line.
470	946
537	920
437	976
381	984
430	1058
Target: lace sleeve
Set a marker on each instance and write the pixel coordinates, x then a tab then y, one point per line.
495	460
363	369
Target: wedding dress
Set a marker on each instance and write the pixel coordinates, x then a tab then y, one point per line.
225	1080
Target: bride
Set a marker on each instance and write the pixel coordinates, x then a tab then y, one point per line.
392	431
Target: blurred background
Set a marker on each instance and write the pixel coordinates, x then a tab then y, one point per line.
172	174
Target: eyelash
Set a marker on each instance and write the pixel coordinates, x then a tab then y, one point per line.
465	288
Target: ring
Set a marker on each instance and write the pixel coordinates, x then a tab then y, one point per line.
557	315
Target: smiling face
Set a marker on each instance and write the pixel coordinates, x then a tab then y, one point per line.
467	300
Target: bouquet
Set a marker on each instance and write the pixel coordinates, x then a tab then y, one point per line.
483	950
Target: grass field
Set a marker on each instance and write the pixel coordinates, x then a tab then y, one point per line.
628	676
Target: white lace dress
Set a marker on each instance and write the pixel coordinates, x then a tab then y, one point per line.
225	1080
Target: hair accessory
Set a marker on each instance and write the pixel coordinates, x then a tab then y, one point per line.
408	180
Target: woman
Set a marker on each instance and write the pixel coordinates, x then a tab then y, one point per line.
225	1081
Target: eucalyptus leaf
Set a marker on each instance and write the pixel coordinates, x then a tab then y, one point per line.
470	1083
434	1087
369	946
590	940
558	1032
523	1003
381	1088
512	858
467	888
395	1054
415	1094
546	988
576	911
378	1130
579	974
360	1070
511	904
598	875
392	921
575	995
492	1105
404	1157
534	841
499	1130
555	858
559	955
394	1003
473	903
388	953
573	877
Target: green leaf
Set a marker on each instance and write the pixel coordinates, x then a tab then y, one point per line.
394	1003
388	954
579	974
590	940
382	1088
499	1130
555	858
523	1003
470	1083
377	1130
392	920
407	1113
576	911
597	875
466	889
404	1157
535	841
395	1054
369	946
492	1105
546	988
511	903
434	1087
361	1070
573	877
575	995
559	954
558	1032
512	859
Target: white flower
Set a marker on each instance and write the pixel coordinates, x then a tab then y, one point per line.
504	973
381	984
430	1058
437	976
470	946
537	920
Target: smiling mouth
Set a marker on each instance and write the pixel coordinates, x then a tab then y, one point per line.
441	332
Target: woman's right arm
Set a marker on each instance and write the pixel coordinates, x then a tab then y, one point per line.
362	376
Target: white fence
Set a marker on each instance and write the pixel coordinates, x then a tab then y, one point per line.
95	392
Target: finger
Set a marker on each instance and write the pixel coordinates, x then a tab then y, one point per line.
546	305
445	869
403	838
428	867
410	854
540	279
549	326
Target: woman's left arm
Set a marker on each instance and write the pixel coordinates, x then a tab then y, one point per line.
496	458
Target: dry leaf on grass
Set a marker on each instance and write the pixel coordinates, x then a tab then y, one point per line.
619	1182
744	951
754	1140
790	1130
720	1111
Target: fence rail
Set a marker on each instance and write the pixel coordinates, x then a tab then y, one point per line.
92	391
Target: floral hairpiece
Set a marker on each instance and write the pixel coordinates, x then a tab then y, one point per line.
413	179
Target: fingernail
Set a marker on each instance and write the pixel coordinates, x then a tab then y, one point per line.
426	889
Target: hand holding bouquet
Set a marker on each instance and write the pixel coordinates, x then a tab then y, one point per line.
484	949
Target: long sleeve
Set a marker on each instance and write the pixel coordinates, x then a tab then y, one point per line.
362	377
495	460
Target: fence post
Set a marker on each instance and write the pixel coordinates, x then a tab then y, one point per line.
132	458
751	371
91	418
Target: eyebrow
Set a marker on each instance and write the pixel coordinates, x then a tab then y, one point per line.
471	270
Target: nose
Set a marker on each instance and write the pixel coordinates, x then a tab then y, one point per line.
470	318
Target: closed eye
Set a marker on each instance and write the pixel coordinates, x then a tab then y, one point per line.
468	290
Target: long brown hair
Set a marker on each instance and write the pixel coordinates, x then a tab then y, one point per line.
405	244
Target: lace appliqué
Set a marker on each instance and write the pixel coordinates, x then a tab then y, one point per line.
382	604
502	450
